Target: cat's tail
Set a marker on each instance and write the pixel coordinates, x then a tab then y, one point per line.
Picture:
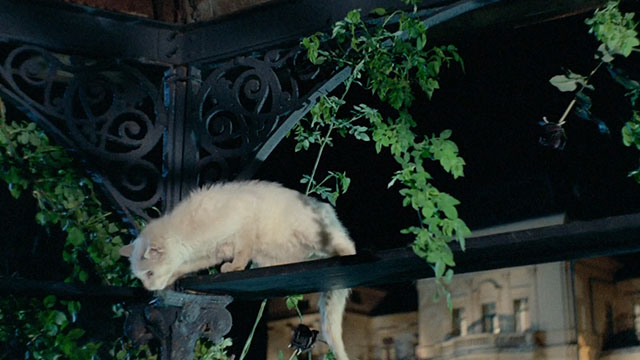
332	304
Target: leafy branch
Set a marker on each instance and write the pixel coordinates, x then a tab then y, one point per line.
618	37
65	198
390	60
30	163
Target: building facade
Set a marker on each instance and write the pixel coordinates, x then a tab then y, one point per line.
561	310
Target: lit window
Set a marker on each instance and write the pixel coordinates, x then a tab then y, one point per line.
521	314
488	317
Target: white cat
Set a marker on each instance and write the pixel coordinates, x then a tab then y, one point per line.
255	221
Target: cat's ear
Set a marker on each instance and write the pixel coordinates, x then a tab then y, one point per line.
126	250
153	253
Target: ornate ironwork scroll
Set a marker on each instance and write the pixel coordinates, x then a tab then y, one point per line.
151	137
109	112
240	105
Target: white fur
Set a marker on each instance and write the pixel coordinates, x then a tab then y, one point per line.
254	221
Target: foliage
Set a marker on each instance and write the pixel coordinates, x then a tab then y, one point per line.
616	32
30	163
123	349
47	328
207	350
390	61
66	198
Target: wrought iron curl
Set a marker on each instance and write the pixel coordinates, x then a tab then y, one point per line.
241	104
109	111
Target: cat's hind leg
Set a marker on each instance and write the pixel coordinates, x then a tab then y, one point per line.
341	243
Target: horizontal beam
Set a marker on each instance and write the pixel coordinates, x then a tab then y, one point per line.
513	14
573	241
272	25
25	287
576	240
78	30
74	29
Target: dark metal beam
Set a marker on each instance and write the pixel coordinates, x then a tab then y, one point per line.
25	287
73	29
273	25
577	240
512	14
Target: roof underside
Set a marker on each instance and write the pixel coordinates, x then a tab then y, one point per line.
197	11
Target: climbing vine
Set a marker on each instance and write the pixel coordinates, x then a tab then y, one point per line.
42	329
45	329
66	198
390	60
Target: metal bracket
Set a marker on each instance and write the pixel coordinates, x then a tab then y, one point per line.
178	320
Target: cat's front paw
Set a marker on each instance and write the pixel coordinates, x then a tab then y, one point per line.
228	267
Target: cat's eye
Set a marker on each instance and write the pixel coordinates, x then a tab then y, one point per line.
149	274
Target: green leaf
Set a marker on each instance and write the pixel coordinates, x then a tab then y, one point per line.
292	301
439	269
75	236
353	16
379	11
563	83
59	318
83	276
75	334
448	277
41	218
50	329
447	204
49	301
421	42
112	228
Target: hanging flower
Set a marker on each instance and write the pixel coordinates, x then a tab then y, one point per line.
303	338
553	134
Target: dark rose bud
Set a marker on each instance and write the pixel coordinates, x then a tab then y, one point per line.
303	338
552	135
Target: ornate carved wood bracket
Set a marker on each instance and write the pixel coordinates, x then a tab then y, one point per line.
178	320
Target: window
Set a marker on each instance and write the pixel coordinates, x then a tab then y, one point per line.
303	305
458	324
355	297
608	308
488	317
521	314
636	318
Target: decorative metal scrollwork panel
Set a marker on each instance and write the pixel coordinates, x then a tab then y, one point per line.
241	103
151	136
110	112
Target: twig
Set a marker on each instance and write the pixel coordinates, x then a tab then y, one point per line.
247	344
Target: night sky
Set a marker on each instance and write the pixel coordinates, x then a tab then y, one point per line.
494	108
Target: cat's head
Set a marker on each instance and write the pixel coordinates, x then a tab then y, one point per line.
150	260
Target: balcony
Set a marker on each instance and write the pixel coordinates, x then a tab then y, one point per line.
477	343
